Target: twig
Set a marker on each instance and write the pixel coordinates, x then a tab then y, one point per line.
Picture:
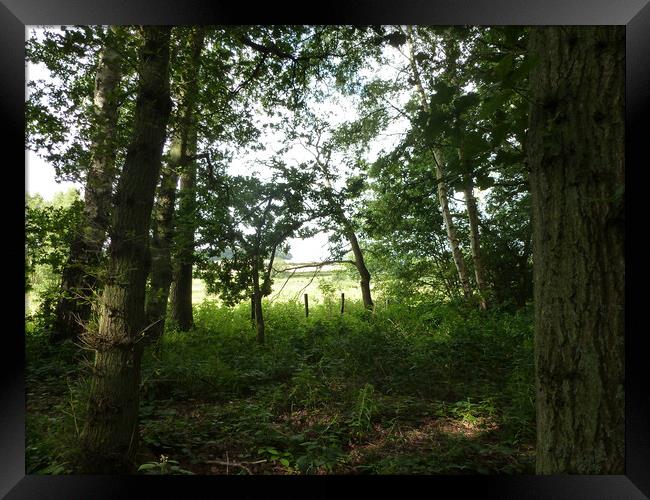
307	285
285	284
236	464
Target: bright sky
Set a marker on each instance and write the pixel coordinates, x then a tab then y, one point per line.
40	176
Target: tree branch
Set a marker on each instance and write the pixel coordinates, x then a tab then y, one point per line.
318	265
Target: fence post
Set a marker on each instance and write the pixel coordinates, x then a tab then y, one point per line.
342	302
306	306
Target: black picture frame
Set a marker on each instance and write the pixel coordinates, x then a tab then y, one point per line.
15	15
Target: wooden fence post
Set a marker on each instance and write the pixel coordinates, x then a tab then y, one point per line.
342	302
306	306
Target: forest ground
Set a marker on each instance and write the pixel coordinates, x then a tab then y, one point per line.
415	388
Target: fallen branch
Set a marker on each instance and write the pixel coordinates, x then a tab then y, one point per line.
236	464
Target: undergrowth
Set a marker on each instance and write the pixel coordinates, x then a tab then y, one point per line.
413	388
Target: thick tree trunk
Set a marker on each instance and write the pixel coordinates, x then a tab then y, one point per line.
474	240
161	245
110	436
79	277
576	155
450	228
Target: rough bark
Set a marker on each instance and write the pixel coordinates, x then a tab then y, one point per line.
162	271
443	199
110	435
182	286
80	274
576	155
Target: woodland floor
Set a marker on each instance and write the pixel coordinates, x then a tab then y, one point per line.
412	389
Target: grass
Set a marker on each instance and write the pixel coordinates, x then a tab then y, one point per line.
324	286
415	388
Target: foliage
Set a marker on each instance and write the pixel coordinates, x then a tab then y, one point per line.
418	387
50	228
424	382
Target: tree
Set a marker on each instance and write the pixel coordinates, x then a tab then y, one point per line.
110	436
181	293
181	153
332	201
272	64
576	151
254	227
50	229
452	237
79	278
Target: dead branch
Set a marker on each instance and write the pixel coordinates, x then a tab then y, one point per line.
228	463
318	265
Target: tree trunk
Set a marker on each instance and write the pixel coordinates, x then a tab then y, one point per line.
79	277
257	302
576	155
181	291
161	245
348	230
474	240
450	227
110	436
361	266
440	178
186	224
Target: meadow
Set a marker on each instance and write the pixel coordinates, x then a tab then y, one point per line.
321	286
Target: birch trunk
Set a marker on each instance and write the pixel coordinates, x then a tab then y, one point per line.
475	243
450	228
80	274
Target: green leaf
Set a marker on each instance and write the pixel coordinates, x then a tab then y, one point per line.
491	104
437	124
444	94
504	67
525	67
499	133
463	103
475	144
484	181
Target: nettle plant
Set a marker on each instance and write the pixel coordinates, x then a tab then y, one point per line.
162	467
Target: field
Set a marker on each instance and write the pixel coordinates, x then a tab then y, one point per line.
320	286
